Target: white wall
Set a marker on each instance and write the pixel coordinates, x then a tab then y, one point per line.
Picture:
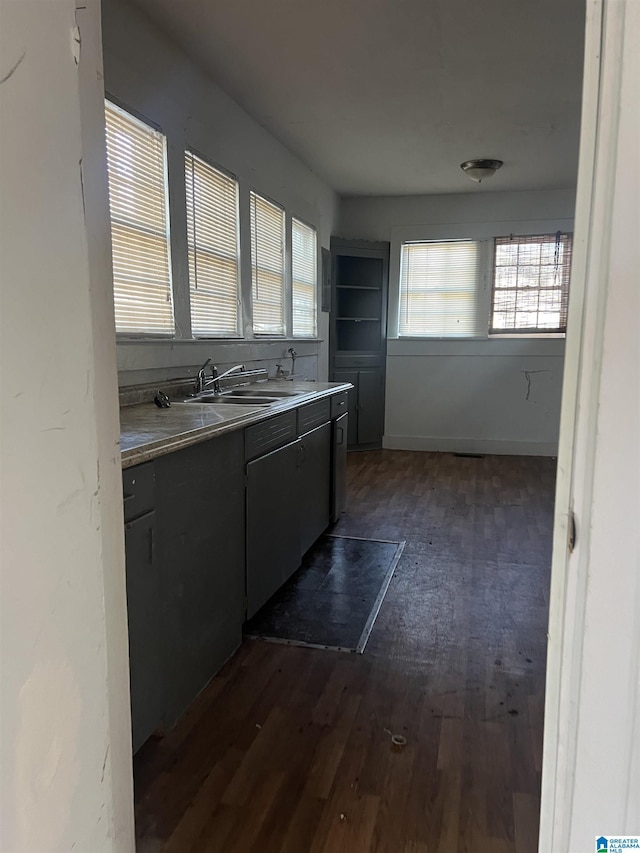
66	781
491	396
147	73
373	218
474	396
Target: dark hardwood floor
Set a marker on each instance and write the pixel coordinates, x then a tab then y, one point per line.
289	748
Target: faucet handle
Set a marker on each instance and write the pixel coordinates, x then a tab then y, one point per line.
200	379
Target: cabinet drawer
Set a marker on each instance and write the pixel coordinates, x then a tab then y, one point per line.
313	414
339	403
351	361
138	490
267	435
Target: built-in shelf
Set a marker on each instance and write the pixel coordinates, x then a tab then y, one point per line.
358	304
358	334
354	335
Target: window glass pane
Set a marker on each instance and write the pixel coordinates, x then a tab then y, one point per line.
304	279
212	236
136	161
267	266
438	289
531	283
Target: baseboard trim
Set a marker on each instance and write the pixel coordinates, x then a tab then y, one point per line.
470	445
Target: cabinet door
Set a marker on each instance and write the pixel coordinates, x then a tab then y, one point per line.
339	466
200	516
143	611
314	484
352	377
370	407
273	540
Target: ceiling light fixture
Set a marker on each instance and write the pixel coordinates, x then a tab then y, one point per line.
480	170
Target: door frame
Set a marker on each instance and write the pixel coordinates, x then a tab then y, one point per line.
601	105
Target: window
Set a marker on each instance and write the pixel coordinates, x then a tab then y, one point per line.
531	284
439	290
267	266
304	279
212	239
136	159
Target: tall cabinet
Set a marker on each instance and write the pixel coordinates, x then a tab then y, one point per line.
358	342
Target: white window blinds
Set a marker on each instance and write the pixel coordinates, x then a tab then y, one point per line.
139	225
267	266
439	289
531	284
212	237
304	279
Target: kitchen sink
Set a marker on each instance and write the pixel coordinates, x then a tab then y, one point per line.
258	392
229	400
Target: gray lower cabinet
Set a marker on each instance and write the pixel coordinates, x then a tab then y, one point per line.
200	551
143	608
143	602
314	485
366	405
211	532
339	432
288	496
273	513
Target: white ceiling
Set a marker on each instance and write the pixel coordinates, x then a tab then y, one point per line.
388	97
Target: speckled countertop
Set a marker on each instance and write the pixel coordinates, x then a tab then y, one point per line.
147	431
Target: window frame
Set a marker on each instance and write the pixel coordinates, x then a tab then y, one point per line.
285	268
475	314
485	232
292	279
138	118
237	335
564	289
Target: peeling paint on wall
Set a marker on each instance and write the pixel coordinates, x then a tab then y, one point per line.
13	69
527	375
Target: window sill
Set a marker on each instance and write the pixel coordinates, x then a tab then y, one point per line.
494	336
177	342
437	338
518	335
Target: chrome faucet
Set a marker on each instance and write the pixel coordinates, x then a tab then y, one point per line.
216	379
201	379
293	355
202	383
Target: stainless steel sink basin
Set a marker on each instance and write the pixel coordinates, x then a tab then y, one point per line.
257	392
230	400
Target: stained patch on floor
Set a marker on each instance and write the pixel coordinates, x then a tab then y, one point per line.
333	599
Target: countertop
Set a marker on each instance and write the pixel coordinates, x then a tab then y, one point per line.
147	431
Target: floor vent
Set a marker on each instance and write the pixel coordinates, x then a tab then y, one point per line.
470	455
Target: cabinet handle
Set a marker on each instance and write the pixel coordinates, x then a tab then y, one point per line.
301	455
151	544
341	433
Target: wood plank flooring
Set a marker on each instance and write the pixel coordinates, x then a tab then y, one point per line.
288	750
